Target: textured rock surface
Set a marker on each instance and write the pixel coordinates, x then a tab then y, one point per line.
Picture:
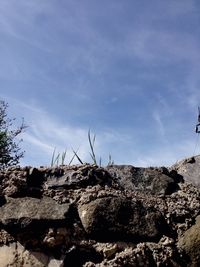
91	216
16	255
190	242
189	169
154	180
21	212
121	219
80	177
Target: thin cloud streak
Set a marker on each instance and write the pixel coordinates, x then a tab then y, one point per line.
158	120
150	45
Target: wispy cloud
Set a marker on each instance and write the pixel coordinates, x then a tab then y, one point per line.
152	45
158	120
46	134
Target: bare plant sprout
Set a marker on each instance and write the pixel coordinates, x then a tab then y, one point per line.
56	159
91	143
76	155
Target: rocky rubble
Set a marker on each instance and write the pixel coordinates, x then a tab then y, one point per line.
87	215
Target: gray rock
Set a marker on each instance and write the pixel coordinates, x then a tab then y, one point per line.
22	212
190	243
190	169
79	178
150	180
120	218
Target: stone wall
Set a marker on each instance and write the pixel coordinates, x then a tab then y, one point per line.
85	215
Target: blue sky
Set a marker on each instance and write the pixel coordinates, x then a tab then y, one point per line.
128	70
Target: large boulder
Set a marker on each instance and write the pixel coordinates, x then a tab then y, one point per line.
151	180
190	169
23	212
190	243
121	219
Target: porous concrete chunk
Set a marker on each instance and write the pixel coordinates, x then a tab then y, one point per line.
55	263
16	255
22	212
